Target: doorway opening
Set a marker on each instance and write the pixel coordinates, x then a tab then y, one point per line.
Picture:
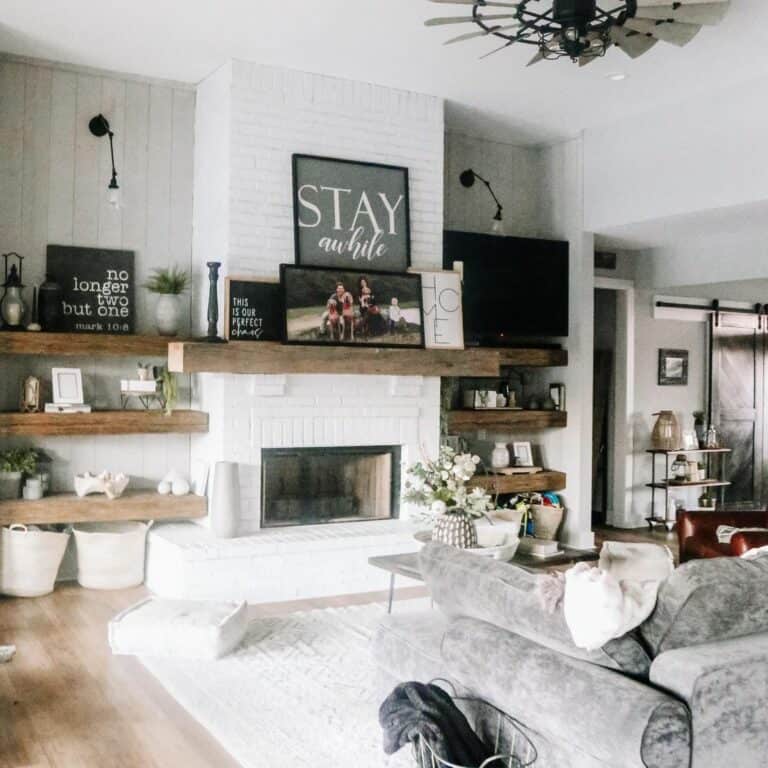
613	396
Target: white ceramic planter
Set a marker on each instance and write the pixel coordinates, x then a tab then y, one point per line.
168	314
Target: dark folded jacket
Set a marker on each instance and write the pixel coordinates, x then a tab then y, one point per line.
416	710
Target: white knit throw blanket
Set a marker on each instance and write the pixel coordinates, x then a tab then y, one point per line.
606	602
726	532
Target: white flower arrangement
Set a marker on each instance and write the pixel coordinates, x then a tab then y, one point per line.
440	486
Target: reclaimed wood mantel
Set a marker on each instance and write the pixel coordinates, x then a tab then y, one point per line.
267	357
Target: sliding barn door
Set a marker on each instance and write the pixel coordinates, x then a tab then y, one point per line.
737	379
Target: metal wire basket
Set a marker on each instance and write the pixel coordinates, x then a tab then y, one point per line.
511	747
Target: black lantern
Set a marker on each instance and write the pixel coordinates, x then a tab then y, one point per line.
12	305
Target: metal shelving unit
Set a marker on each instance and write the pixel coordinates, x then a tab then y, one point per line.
713	455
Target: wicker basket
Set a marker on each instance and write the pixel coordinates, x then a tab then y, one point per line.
511	747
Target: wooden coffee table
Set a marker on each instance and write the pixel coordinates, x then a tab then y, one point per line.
407	564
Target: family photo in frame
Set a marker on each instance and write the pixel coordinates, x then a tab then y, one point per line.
332	307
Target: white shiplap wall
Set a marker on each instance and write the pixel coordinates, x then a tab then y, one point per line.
53	189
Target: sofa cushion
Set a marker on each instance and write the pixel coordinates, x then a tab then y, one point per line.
463	584
598	717
708	600
407	645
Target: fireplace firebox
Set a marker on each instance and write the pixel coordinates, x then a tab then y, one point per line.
312	486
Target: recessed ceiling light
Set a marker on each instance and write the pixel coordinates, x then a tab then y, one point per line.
617	76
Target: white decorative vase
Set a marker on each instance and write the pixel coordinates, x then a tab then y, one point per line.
500	456
168	314
225	500
457	529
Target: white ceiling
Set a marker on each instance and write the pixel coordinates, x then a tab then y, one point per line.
385	42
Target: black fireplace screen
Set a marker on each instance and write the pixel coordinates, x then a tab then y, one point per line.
311	486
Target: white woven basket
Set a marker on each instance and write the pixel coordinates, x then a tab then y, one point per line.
30	560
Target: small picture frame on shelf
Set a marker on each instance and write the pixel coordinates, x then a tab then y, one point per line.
673	367
523	454
67	386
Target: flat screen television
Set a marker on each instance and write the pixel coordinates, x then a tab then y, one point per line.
515	288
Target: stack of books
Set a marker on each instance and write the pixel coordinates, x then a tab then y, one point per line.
138	386
67	408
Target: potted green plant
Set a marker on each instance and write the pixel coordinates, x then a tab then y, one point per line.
168	388
169	284
440	488
14	464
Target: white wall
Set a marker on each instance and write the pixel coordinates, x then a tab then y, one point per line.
701	154
541	190
570	449
514	174
650	336
53	189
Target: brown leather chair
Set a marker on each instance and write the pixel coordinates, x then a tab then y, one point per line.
697	533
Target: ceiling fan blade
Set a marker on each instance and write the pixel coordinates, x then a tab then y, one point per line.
674	32
481	33
683	3
496	50
584	60
696	13
633	45
536	59
488	4
464	19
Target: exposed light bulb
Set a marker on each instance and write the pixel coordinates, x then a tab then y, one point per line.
572	34
497	228
113	196
617	77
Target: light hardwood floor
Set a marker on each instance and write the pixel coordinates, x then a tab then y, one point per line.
67	702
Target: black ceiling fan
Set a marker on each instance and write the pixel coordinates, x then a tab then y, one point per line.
582	30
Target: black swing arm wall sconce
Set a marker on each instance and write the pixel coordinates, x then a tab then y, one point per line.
99	126
467	179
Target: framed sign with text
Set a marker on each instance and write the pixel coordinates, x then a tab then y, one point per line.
253	310
352	215
97	288
441	301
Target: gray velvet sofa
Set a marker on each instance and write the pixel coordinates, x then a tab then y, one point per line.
689	689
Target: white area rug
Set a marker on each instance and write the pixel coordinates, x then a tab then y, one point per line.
299	692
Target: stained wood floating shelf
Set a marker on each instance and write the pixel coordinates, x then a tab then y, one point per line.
548	480
132	505
81	344
663	485
103	423
468	420
273	358
660	452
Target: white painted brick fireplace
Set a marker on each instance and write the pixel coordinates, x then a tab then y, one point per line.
249	413
250	120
